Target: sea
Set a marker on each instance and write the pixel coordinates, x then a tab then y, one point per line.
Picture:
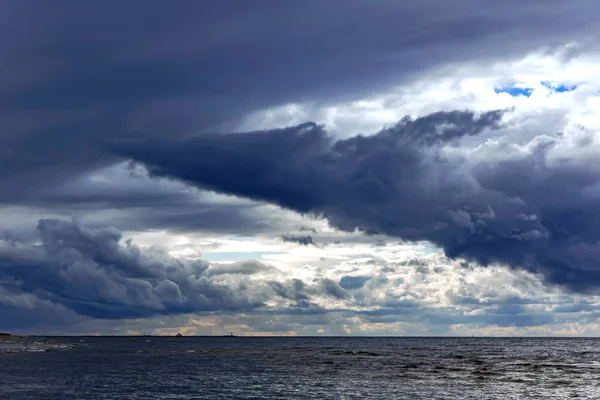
299	368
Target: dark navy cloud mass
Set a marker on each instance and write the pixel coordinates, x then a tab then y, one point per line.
77	75
91	272
523	211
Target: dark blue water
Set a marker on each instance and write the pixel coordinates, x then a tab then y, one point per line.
302	368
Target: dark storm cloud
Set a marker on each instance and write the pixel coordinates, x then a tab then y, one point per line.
76	75
304	240
94	273
22	310
79	271
523	211
127	198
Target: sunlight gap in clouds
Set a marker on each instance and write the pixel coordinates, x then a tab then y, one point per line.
545	81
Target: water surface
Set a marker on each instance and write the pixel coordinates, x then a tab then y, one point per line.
302	368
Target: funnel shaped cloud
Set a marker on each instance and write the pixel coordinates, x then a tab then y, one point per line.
529	205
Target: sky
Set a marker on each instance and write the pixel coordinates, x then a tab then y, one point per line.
417	167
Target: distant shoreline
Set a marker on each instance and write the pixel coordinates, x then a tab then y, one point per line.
4	335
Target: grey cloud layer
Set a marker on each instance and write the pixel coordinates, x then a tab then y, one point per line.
78	75
530	206
79	278
82	271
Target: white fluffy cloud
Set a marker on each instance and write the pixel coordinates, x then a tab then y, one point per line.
466	85
380	288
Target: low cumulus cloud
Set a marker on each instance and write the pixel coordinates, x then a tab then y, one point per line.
530	205
78	271
92	272
79	278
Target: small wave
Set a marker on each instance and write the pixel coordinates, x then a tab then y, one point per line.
485	372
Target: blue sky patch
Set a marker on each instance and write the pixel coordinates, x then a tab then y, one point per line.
559	88
515	91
